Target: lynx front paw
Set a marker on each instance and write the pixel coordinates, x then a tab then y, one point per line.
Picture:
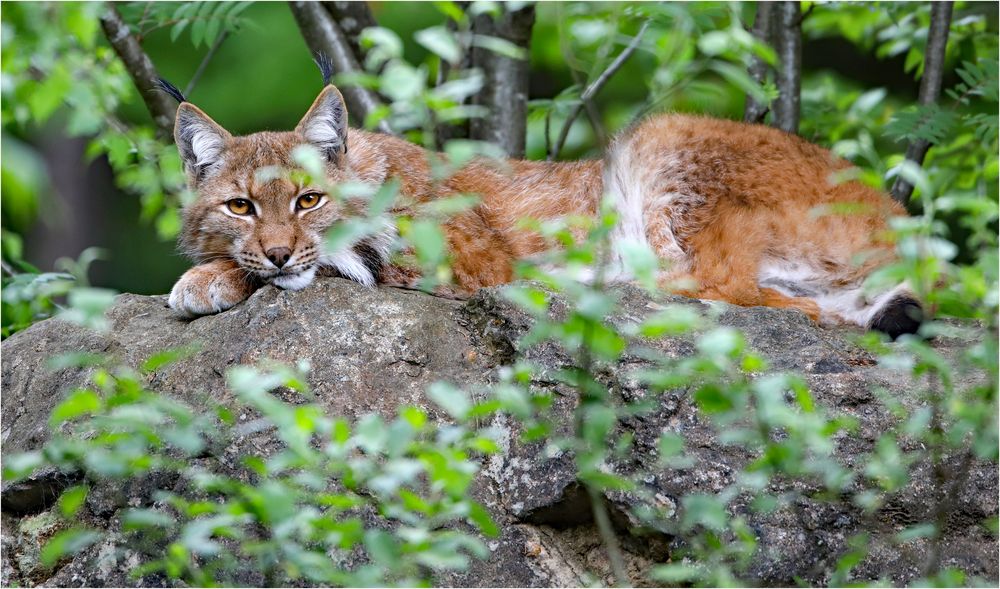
209	288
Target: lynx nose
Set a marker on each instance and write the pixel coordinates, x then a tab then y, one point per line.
278	255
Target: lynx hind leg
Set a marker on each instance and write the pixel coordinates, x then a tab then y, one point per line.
843	299
211	288
894	312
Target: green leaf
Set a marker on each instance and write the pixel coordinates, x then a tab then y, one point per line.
741	79
451	10
712	398
75	360
441	42
481	518
714	42
914	532
706	510
18	466
80	402
87	306
453	400
72	499
670	445
675	574
499	46
50	94
66	543
673	320
161	359
381	547
402	82
344	234
530	299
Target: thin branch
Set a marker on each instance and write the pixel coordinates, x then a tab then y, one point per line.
946	500
763	26
323	35
789	78
140	68
806	14
548	127
930	88
7	269
593	115
593	395
595	87
608	536
204	62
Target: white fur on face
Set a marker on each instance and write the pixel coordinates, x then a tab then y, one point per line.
295	281
349	264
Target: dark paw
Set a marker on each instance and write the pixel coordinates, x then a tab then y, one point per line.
901	315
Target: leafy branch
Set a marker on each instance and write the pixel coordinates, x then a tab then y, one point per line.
595	87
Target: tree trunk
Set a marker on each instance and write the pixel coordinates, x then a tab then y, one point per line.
140	68
763	25
352	18
323	35
789	45
505	90
930	88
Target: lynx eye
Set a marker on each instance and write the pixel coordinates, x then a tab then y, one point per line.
308	201
240	206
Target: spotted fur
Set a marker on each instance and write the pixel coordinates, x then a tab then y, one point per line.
734	211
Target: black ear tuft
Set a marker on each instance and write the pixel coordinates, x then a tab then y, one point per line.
901	315
325	67
170	89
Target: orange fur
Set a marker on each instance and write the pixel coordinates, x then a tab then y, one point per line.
738	209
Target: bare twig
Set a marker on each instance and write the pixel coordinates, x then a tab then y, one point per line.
548	127
505	86
608	536
763	26
806	14
591	394
140	68
789	78
204	62
323	35
930	88
595	87
7	269
946	500
593	115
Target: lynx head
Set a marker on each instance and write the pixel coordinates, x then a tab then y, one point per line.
273	227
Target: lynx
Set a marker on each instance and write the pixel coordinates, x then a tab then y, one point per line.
729	207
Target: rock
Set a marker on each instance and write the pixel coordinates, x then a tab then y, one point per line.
372	350
32	534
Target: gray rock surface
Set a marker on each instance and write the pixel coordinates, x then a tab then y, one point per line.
374	350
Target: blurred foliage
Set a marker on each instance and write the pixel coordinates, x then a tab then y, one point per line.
381	493
303	502
60	77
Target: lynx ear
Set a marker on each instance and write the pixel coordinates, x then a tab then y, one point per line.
325	125
200	140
